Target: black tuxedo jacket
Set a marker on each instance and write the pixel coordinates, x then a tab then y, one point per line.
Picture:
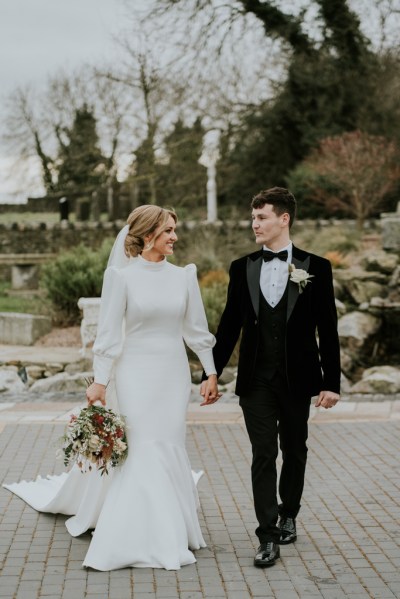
311	365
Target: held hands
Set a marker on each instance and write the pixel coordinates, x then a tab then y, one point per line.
327	399
96	392
209	390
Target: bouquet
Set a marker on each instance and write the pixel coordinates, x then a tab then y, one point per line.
96	436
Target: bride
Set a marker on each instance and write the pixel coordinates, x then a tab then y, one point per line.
145	513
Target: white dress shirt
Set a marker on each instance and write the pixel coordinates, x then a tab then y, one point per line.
274	276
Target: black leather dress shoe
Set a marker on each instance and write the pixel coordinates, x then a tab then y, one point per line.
287	526
266	555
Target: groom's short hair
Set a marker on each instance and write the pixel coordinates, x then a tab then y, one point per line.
280	198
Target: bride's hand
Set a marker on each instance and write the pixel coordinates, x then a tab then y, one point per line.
96	392
209	390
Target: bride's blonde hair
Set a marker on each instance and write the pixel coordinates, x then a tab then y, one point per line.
143	221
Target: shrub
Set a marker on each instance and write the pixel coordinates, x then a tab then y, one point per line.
328	239
74	274
214	277
214	299
337	259
214	285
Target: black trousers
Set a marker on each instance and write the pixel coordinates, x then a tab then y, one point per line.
272	413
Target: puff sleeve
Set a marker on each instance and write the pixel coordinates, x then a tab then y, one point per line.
195	327
109	338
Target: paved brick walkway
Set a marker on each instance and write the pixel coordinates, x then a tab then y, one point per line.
349	527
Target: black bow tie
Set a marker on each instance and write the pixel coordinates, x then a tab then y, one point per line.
267	255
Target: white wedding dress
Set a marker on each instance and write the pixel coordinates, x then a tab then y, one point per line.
145	512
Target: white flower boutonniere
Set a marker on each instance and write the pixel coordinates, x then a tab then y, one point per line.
299	276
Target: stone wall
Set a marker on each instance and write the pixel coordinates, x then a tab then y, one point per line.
233	237
47	238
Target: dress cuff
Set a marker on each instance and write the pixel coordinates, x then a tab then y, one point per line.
102	367
207	361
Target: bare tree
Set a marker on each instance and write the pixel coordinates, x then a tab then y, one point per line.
37	122
155	100
27	134
360	170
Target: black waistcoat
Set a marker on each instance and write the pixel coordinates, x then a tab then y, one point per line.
271	355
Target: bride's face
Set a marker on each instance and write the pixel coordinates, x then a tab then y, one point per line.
164	241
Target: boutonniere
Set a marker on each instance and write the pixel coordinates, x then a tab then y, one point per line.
299	276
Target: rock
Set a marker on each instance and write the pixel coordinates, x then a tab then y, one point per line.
395	278
344	276
363	291
10	381
196	377
84	365
340	307
356	328
378	379
380	261
34	373
16	363
228	375
53	368
338	289
345	384
12	367
346	362
63	382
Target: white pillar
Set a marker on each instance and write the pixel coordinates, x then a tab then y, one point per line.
209	159
212	211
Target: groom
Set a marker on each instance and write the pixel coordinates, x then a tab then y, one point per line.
280	299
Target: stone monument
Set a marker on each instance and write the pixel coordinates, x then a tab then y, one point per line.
391	230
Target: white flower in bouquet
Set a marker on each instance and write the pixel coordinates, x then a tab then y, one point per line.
121	445
94	442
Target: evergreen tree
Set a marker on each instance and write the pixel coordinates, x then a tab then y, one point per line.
145	173
82	167
182	180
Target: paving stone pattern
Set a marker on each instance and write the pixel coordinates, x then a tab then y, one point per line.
349	528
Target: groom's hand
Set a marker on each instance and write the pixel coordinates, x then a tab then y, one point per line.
327	399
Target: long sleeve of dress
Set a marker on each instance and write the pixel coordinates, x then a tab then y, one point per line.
109	338
195	327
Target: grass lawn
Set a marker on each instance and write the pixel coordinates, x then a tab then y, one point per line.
34	304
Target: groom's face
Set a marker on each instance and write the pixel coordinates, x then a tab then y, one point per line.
269	228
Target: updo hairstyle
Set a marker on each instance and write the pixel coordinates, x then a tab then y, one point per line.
143	221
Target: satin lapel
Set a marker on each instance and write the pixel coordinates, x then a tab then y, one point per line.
293	291
253	281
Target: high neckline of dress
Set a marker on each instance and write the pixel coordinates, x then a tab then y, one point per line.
148	265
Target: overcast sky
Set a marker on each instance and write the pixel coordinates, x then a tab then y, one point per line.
38	37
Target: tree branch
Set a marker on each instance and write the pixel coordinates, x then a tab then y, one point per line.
277	23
